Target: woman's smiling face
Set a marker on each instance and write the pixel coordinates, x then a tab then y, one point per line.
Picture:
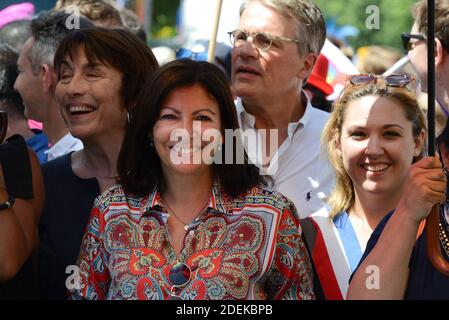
377	144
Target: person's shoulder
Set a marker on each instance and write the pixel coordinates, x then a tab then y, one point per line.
267	195
323	212
58	163
117	199
317	114
113	194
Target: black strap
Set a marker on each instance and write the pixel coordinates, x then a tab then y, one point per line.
16	167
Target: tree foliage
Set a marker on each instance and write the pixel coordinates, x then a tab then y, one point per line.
395	18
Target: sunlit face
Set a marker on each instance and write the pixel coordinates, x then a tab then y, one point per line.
418	57
30	86
258	74
192	111
377	145
89	94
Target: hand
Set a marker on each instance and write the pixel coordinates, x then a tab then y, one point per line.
425	186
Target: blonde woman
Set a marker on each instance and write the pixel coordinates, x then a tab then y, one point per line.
374	135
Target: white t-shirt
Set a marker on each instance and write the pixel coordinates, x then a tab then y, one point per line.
299	170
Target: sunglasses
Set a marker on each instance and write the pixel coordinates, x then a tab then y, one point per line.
394	80
409	45
179	275
261	40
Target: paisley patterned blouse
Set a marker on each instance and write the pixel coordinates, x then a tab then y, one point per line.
247	247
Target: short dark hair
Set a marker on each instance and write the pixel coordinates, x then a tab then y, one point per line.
15	33
139	165
48	29
441	20
117	48
10	99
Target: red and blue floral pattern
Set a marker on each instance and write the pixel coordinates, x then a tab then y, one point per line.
242	248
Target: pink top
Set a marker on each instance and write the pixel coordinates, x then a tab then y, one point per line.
21	11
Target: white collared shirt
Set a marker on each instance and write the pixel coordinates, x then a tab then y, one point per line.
299	170
65	145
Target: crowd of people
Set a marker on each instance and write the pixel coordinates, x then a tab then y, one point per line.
191	180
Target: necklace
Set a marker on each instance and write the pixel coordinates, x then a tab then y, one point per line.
186	225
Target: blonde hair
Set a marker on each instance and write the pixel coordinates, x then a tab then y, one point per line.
103	12
342	196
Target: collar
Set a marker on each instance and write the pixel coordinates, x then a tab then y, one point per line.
247	120
217	202
63	146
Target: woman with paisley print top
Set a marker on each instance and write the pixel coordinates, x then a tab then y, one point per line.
185	221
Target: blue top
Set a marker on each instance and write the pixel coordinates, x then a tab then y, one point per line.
39	144
425	282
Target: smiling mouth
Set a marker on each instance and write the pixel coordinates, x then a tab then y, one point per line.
375	167
79	109
185	149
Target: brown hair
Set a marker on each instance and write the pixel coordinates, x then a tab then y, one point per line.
342	196
117	48
441	20
139	165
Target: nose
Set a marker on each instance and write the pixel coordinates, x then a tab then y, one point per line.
374	147
248	49
74	86
17	84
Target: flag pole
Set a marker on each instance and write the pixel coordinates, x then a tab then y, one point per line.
432	222
213	38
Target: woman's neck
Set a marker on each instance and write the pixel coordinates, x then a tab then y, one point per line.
98	160
182	190
372	208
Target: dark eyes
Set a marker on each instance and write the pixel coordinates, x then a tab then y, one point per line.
168	116
65	75
171	116
203	118
361	134
260	39
92	74
241	36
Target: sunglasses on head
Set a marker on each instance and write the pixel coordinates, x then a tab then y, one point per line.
406	37
394	80
179	275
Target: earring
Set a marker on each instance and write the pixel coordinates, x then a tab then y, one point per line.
128	117
151	143
417	152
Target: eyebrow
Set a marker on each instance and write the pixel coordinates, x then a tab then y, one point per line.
387	126
204	109
89	65
195	112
